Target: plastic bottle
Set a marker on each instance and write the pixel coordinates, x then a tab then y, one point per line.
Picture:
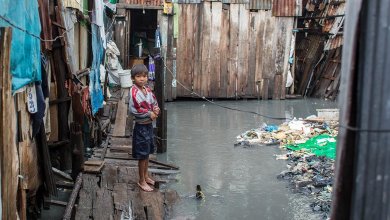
157	37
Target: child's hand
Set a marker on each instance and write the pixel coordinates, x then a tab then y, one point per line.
153	116
156	110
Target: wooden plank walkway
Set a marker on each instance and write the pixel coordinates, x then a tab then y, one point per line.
113	193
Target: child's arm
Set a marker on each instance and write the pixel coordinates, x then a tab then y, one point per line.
156	109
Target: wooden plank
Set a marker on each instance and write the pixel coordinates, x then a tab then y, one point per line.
215	58
53	114
277	88
184	58
224	53
197	46
261	25
243	50
169	61
264	89
289	25
120	200
120	141
93	168
103	205
234	33
87	197
250	90
120	148
8	152
73	197
121	117
109	177
206	43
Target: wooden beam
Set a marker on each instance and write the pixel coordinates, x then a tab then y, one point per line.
9	167
73	197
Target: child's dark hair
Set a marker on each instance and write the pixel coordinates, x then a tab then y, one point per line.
137	69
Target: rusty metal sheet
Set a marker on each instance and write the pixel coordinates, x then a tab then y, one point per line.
334	43
287	8
260	4
235	1
189	1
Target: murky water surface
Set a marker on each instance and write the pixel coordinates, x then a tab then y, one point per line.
239	183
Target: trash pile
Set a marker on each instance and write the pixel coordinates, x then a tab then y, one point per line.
311	150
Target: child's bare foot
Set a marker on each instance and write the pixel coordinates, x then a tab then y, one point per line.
145	187
150	181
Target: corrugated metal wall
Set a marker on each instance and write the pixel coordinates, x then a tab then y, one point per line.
260	4
362	188
222	53
287	8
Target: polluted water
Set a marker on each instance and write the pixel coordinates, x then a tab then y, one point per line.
238	183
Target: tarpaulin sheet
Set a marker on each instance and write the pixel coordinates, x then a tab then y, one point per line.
25	49
95	88
321	145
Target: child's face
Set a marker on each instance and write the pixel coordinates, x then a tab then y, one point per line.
141	79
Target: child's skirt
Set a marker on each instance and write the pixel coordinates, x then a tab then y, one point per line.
143	143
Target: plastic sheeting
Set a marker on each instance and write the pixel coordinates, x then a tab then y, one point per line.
25	49
321	145
95	88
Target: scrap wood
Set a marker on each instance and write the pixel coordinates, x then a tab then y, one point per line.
73	197
164	164
93	166
62	174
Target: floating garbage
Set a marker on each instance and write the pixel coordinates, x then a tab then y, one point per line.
311	150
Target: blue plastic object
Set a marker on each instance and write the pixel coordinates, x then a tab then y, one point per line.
95	89
25	49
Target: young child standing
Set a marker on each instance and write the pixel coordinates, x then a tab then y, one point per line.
143	106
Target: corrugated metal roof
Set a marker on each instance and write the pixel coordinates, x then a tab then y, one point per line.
260	4
188	1
287	8
236	1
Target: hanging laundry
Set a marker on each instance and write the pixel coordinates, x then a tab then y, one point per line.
37	117
95	88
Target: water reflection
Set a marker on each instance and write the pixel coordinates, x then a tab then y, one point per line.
243	181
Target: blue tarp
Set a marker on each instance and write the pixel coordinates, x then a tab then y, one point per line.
95	88
25	49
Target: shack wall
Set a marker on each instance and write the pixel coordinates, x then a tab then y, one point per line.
223	50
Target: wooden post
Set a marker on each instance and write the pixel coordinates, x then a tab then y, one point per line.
264	89
77	147
276	95
161	120
9	167
169	60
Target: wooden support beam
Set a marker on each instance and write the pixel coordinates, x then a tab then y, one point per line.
9	167
57	101
161	120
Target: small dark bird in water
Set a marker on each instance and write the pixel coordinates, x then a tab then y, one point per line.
199	194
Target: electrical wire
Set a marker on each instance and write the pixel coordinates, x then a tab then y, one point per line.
222	106
31	34
364	130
